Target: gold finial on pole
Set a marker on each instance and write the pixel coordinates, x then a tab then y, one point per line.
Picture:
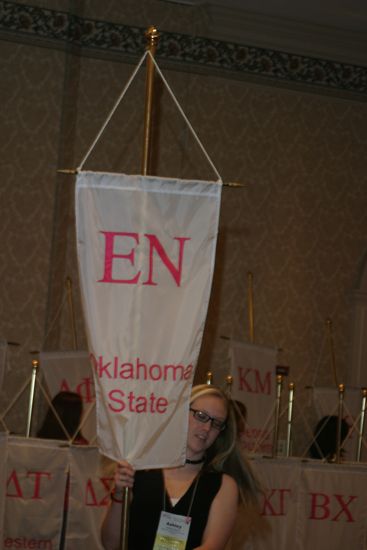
209	378
35	364
341	389
229	382
329	325
69	289
361	424
152	37
250	305
279	382
290	417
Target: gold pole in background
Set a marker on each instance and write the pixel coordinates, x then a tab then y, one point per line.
329	325
250	306
35	364
279	382
361	424
290	417
69	289
341	389
229	382
209	378
152	36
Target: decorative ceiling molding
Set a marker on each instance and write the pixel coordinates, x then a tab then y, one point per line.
232	59
287	34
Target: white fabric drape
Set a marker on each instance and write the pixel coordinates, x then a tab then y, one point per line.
35	492
146	249
305	506
91	481
253	371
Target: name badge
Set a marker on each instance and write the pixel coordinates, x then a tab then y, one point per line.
172	532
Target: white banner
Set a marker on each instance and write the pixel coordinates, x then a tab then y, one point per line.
71	371
253	369
35	493
146	249
333	507
305	506
91	481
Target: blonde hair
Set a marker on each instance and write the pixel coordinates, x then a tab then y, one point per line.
225	455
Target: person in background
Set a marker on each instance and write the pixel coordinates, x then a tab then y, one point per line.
69	408
325	444
207	488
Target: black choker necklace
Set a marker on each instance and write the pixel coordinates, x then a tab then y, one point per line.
188	461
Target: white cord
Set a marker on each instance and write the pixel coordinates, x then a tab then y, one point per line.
186	119
112	112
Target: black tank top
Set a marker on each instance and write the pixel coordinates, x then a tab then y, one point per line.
147	504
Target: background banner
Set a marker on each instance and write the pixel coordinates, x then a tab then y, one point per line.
91	481
146	250
253	370
305	505
35	493
72	371
333	507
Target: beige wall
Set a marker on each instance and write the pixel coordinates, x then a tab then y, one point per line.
299	224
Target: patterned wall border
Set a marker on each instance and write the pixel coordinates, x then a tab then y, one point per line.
27	22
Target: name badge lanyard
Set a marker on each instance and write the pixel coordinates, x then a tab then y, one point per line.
173	529
191	500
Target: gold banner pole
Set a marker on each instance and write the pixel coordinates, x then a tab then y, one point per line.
290	417
329	325
229	382
279	382
361	424
341	389
125	517
69	290
250	305
152	38
209	378
35	364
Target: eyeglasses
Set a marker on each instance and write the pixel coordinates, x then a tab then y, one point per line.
204	417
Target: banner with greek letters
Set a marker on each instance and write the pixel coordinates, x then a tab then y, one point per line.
72	371
91	481
35	493
146	249
253	371
333	507
305	505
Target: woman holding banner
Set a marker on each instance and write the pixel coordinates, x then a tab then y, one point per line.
195	504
